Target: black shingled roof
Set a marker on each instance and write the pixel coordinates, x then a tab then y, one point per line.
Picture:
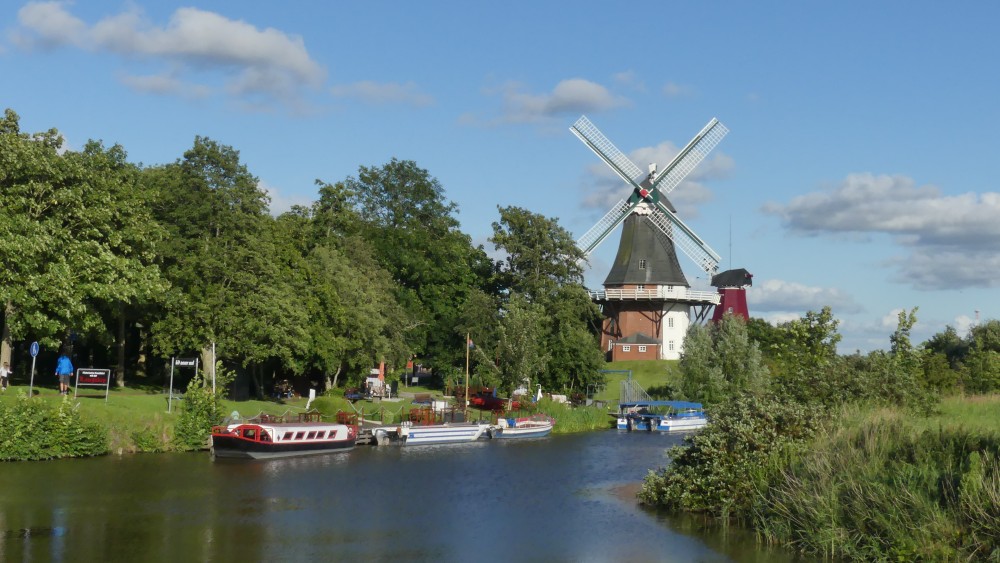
642	240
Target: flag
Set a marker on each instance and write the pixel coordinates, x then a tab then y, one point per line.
471	345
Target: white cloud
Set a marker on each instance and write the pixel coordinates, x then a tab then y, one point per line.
280	203
383	93
571	96
785	296
951	239
674	90
257	63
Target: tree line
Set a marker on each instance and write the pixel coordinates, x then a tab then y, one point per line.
138	263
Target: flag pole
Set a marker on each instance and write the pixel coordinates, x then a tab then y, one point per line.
465	409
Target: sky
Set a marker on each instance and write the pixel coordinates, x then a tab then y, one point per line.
860	170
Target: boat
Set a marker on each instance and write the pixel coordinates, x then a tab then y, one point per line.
662	416
535	426
446	433
266	440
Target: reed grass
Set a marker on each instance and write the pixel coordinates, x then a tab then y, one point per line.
881	484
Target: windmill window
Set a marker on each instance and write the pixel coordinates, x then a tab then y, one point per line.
640	288
671	344
642	264
626	348
642	348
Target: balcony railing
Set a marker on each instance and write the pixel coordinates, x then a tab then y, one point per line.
659	293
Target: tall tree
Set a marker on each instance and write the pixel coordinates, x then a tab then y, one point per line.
721	361
411	227
541	255
77	238
220	256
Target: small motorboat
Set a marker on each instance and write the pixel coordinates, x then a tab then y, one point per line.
535	426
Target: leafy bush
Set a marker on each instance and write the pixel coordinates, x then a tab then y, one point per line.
720	469
33	430
147	440
200	410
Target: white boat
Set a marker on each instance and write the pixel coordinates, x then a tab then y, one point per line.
409	434
536	426
662	416
264	440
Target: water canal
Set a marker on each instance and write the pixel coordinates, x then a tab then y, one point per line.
562	498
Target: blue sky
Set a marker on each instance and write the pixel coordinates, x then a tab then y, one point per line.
860	170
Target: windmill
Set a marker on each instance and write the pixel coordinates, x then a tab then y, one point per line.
647	301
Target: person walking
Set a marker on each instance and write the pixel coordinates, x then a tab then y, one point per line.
64	369
4	376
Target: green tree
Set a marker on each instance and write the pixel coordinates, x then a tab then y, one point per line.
720	361
950	344
411	228
540	255
220	255
520	347
574	350
77	239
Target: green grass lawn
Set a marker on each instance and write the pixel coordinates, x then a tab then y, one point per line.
649	374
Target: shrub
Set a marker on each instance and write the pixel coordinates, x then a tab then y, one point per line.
720	469
200	410
33	430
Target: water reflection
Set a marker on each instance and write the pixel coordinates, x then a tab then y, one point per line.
565	498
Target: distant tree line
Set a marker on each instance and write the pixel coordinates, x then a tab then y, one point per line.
134	264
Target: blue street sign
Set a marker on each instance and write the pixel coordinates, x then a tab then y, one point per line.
34	349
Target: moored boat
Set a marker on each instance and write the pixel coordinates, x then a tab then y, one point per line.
264	440
447	433
536	426
663	416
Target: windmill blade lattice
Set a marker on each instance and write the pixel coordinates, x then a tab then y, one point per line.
605	225
685	239
607	151
689	157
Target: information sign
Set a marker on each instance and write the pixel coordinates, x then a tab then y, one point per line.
89	377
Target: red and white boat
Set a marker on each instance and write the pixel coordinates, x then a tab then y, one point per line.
265	440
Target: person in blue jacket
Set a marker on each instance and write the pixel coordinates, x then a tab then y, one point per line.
64	369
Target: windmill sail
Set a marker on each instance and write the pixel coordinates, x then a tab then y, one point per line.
690	156
607	151
685	239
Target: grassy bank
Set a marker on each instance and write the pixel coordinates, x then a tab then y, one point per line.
136	419
878	483
654	376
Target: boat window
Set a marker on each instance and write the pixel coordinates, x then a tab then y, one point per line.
264	436
287	436
299	435
311	435
249	433
332	434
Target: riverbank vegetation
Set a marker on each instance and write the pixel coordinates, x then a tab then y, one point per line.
880	457
126	266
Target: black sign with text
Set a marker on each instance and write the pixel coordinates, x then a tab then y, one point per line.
92	376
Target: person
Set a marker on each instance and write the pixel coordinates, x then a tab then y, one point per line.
4	375
64	369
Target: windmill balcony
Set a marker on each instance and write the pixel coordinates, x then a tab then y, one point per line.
656	294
